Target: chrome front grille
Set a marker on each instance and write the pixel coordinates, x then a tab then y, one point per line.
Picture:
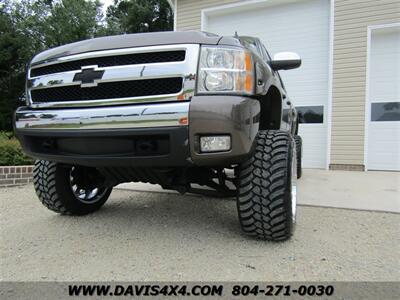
110	90
135	75
109	61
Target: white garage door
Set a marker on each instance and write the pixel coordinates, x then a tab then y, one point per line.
384	100
301	27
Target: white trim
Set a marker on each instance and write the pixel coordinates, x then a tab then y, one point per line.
234	7
367	112
203	21
171	3
220	9
175	8
381	26
366	108
330	82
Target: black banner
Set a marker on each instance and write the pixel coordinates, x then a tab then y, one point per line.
200	290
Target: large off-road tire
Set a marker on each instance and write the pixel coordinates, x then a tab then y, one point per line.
266	198
299	153
57	191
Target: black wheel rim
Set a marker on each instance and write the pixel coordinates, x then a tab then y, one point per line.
83	194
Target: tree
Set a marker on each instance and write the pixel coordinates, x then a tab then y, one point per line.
13	57
131	16
53	23
72	20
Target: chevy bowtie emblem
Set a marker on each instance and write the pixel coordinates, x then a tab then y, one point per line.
88	76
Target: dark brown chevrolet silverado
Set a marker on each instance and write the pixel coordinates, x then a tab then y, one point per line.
191	111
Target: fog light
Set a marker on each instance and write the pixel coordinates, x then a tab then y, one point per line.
215	143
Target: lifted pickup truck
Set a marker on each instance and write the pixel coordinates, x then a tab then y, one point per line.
191	111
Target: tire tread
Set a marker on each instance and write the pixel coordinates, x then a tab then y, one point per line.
51	183
299	148
44	182
262	209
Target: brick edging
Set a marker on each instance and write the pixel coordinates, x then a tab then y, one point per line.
18	175
15	175
346	167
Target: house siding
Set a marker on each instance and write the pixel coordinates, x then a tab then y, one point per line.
351	20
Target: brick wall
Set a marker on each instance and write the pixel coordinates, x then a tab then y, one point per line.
15	175
346	167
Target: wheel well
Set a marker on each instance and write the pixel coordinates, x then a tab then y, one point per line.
271	109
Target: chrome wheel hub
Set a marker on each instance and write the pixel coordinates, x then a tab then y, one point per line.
83	187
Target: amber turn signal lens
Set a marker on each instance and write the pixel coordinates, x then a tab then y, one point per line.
249	73
183	121
248	62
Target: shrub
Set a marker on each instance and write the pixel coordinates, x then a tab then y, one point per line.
11	153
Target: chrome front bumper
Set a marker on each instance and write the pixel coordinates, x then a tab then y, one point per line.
151	135
117	117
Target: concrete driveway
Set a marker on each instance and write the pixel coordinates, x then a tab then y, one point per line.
376	191
164	236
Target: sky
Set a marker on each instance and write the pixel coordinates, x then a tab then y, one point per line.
106	3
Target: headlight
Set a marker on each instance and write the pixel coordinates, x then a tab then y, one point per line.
218	81
224	69
219	58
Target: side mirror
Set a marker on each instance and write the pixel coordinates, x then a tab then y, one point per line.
285	61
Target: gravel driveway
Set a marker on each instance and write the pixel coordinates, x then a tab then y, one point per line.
158	236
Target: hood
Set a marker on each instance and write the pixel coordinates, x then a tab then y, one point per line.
128	41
